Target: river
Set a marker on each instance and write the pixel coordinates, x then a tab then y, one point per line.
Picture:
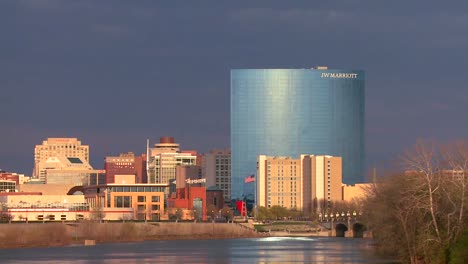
255	250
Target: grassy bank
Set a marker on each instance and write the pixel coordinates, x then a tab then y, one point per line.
60	234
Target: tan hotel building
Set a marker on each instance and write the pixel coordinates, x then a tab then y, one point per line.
296	183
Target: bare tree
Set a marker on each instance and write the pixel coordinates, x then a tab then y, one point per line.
227	213
98	214
393	212
424	206
456	157
423	161
178	214
211	211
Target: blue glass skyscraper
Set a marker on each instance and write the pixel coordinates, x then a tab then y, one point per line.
288	112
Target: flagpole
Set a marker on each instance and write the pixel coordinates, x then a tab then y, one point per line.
255	194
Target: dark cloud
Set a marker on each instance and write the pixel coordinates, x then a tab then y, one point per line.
114	73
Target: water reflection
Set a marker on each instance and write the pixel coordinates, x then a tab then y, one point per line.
262	250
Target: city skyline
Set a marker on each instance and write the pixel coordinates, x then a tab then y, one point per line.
114	74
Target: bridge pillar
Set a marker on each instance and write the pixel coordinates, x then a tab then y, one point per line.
349	233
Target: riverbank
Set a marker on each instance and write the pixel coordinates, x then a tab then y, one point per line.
63	234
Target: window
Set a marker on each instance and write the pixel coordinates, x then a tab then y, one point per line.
122	201
154	199
141	207
40	217
118	201
51	217
63	217
141	199
127	201
155	207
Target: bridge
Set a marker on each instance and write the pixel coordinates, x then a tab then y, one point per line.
352	228
344	224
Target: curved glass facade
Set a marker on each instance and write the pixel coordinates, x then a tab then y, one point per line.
288	112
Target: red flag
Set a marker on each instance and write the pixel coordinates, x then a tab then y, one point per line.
249	179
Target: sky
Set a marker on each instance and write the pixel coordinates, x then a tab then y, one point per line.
115	73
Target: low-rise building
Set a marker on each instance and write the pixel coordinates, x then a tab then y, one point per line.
190	197
215	197
138	201
33	206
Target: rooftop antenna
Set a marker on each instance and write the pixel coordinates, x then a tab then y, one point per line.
147	153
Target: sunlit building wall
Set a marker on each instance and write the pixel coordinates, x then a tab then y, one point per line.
298	183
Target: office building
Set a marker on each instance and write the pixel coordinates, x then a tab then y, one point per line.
52	147
303	183
216	169
164	158
126	164
287	112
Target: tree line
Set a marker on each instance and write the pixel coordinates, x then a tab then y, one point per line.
419	213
